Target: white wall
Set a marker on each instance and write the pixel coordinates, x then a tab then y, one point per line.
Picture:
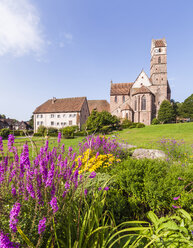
59	119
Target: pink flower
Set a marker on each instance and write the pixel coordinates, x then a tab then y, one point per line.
176	198
176	206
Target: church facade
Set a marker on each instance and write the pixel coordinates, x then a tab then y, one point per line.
140	100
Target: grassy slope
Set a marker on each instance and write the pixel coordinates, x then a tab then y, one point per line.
148	136
142	137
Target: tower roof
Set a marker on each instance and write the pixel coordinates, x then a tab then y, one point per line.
160	43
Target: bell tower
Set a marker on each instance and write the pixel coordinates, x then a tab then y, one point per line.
158	70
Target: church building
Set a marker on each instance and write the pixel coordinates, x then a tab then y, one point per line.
140	101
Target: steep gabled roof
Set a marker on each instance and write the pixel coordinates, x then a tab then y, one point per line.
120	89
99	105
142	90
61	105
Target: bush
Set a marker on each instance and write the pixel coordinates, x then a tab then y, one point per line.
155	121
37	135
4	133
133	125
41	130
140	125
151	185
68	132
126	123
106	129
51	131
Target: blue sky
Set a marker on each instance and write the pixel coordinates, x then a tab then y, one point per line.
74	48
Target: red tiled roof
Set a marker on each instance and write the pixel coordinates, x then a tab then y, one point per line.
99	105
142	90
120	89
159	43
61	105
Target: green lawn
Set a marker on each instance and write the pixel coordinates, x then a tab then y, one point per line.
39	142
142	137
148	136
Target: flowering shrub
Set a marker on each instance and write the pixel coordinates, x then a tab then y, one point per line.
99	152
174	149
36	193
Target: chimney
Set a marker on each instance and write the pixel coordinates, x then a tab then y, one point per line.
53	100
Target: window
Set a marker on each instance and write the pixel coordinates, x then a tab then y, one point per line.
52	123
62	123
123	98
135	104
63	115
115	98
70	123
38	123
160	50
159	60
37	116
41	116
58	116
127	116
143	103
70	115
41	122
52	115
58	123
74	115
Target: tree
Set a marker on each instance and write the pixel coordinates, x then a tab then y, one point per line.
2	116
175	106
186	109
166	112
31	122
97	120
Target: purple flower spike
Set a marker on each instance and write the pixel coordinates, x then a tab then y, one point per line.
42	225
54	204
99	188
5	242
176	198
85	192
93	174
13	216
59	137
106	188
1	144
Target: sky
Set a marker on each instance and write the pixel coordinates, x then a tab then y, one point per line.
71	48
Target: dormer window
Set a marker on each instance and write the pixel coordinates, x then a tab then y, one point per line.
123	99
159	60
115	98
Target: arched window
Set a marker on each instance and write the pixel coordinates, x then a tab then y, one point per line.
135	104
115	98
159	60
143	103
123	99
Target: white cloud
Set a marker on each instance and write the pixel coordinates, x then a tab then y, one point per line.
20	31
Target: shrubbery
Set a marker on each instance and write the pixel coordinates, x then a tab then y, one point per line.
4	133
155	121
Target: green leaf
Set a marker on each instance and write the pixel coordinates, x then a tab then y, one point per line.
25	238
